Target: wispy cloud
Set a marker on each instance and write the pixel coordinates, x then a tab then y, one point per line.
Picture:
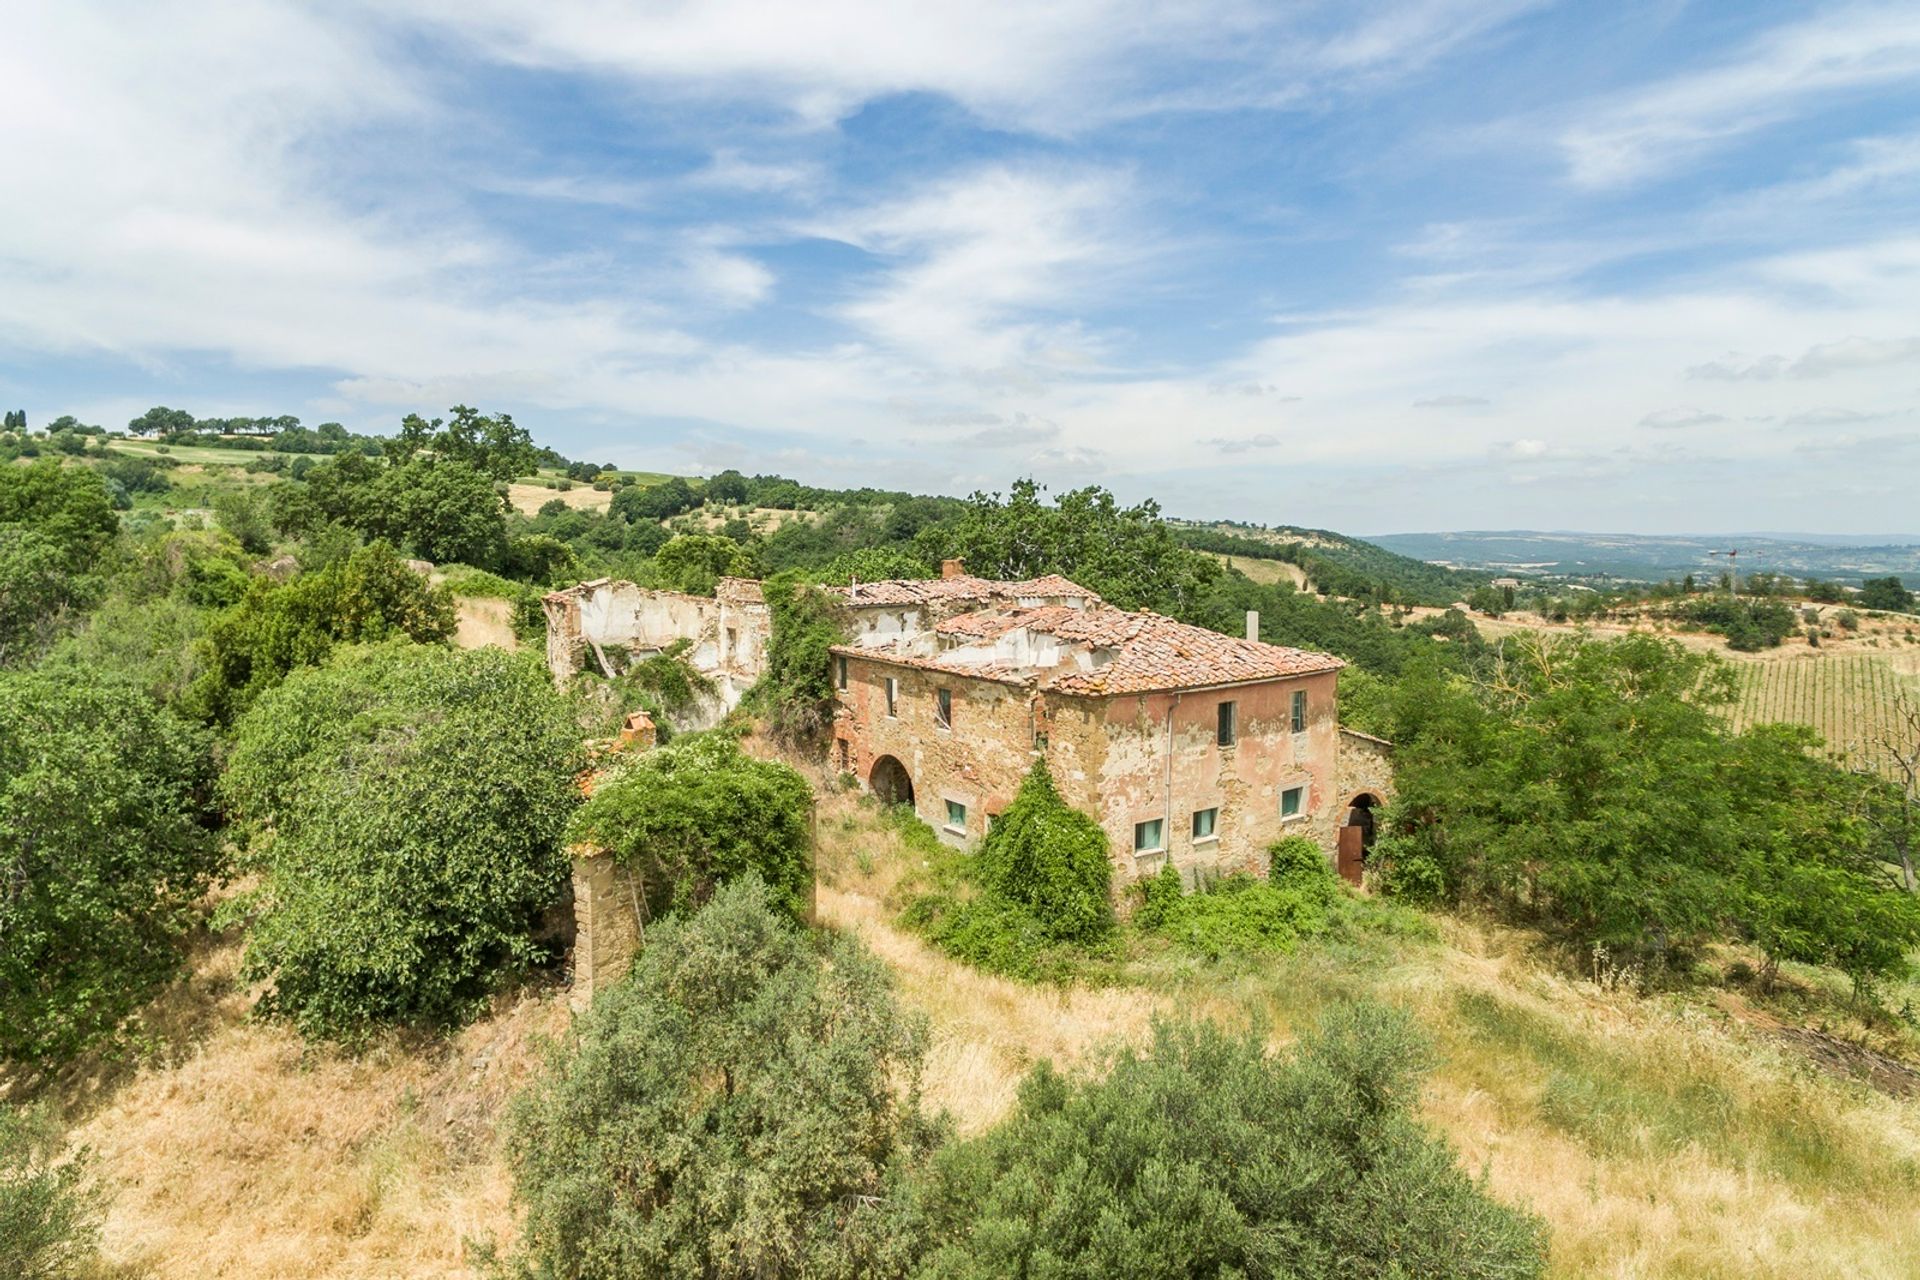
1780	74
1685	417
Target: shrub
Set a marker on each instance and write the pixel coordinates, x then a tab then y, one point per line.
1237	916
370	596
102	852
1205	1156
49	1218
1299	862
741	1106
1051	860
406	805
694	815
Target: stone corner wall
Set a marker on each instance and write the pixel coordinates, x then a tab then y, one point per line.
606	926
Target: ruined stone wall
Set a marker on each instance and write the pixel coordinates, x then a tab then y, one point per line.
1244	781
978	762
606	929
729	633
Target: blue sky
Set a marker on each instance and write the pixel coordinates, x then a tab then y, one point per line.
1377	267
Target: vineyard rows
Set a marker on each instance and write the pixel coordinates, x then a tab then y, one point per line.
1845	698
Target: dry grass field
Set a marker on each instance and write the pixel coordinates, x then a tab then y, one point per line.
1264	572
1659	1136
527	499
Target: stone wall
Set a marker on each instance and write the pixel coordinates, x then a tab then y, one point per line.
605	619
606	923
1366	768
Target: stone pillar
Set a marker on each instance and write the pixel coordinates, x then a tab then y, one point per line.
606	929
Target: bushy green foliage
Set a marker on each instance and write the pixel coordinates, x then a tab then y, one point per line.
699	813
1239	915
655	502
796	693
70	507
1592	788
491	444
1885	593
741	1106
49	1216
1748	624
368	597
1205	1156
695	562
406	805
1050	859
441	509
873	564
1033	902
1127	554
1299	862
102	852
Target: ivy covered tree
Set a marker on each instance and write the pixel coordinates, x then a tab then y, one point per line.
739	1107
104	846
796	693
405	805
699	813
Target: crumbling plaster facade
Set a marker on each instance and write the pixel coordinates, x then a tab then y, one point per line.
1126	759
598	625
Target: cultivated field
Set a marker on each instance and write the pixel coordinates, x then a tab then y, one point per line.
1847	698
1264	571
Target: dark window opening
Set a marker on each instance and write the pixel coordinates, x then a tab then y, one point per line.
1224	734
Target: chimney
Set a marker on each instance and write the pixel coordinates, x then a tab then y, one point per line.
1253	625
952	568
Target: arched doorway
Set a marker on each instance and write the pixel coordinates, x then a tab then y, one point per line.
1355	837
890	781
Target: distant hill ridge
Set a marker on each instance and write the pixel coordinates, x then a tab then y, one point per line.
1652	557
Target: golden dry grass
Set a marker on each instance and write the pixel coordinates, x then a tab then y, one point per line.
1659	1136
250	1153
1262	571
482	621
529	498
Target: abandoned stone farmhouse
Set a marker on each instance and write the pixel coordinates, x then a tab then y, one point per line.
1187	745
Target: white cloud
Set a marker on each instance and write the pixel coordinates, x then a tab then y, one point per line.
1451	402
1683	417
1777	76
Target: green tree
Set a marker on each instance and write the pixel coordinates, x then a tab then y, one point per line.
37	593
444	510
406	805
1592	787
1206	1156
49	1216
655	501
246	517
696	814
103	849
739	1107
695	562
1051	859
1127	554
493	444
70	507
1885	593
370	596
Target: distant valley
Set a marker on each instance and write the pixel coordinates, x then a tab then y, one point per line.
1842	558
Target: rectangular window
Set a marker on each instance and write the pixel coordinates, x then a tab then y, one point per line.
1225	732
893	697
956	816
943	708
1150	837
840	672
1291	800
1204	821
1300	711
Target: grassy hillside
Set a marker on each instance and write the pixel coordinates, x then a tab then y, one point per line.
1335	563
1695	1136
